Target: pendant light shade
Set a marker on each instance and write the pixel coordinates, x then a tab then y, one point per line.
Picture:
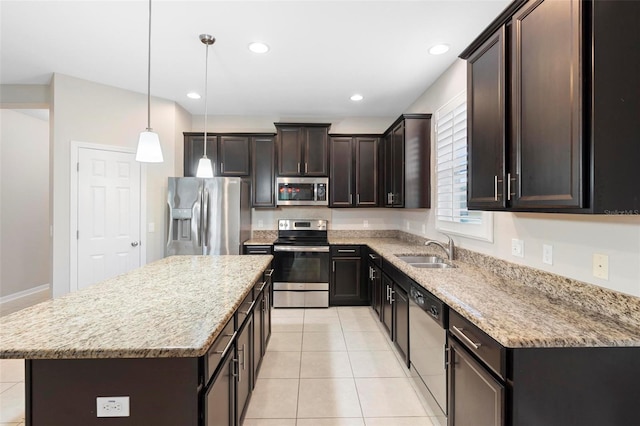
149	149
205	168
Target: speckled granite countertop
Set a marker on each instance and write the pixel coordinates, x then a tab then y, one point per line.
174	307
519	306
260	242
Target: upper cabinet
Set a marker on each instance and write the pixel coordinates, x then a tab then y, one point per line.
353	170
302	149
263	173
407	162
553	108
230	154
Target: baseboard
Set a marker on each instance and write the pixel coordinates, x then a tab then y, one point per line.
23	299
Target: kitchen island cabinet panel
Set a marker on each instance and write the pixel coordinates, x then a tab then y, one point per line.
162	391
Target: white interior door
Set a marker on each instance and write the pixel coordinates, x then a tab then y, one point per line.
108	214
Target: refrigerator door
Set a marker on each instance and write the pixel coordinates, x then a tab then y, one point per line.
184	197
223	215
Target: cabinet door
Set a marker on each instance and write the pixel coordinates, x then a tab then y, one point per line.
315	151
244	356
346	288
487	129
475	397
290	151
387	304
258	332
397	165
219	399
377	296
266	320
263	172
401	321
233	156
388	171
366	156
193	150
547	153
341	176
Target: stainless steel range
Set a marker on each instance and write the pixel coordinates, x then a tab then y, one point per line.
301	264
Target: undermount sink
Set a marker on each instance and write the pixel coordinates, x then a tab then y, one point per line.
427	262
420	259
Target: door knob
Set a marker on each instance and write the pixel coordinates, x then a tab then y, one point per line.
134	244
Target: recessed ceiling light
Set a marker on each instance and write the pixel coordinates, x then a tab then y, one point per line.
439	49
356	97
258	47
193	95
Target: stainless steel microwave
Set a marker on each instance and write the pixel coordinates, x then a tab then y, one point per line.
301	191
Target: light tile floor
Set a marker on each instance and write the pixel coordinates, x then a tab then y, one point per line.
333	367
323	367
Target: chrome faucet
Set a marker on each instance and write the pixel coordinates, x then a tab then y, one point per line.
449	249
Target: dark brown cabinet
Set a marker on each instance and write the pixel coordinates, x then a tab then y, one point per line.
486	134
233	155
218	406
375	282
302	149
400	302
244	355
386	316
552	113
353	171
263	171
229	153
346	287
407	162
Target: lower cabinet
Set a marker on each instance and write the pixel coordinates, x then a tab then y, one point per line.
244	355
401	321
375	286
218	405
347	286
386	316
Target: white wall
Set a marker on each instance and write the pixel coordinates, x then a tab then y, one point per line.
89	112
25	255
575	238
339	219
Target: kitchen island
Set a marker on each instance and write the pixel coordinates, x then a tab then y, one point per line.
145	335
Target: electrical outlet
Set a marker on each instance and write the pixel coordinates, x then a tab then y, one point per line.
112	406
365	223
517	247
547	254
406	224
601	266
424	228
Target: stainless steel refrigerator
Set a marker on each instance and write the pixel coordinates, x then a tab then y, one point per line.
208	216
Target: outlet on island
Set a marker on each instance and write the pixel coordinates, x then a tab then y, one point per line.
112	406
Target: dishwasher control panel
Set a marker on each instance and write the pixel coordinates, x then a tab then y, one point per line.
429	303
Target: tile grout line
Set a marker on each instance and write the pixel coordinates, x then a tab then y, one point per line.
353	376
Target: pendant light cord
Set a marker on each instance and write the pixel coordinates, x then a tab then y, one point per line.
149	75
206	99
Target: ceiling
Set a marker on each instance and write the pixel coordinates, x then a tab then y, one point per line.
321	53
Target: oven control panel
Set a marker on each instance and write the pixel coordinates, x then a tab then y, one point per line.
302	225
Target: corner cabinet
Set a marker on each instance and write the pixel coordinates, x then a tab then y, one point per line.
553	110
407	162
302	149
353	170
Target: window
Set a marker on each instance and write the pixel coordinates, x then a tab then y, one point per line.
452	215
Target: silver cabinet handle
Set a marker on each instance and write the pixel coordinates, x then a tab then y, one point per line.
357	199
350	199
221	168
459	332
269	273
134	244
226	348
509	186
248	311
346	251
258	252
334	266
391	299
306	167
495	188
298	167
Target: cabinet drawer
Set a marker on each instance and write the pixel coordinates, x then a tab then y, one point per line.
218	350
478	342
245	308
266	249
345	251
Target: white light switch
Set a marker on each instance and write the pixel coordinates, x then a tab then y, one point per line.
601	266
151	227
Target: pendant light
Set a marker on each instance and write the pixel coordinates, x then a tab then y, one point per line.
205	169
149	150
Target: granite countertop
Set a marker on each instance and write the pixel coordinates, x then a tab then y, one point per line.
174	307
260	242
517	313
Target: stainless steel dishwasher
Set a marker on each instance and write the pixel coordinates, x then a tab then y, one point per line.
427	348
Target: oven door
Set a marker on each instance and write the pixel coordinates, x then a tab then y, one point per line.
301	264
